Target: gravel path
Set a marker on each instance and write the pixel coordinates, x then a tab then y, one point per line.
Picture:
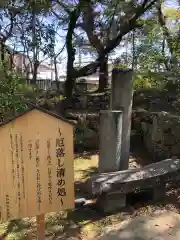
164	226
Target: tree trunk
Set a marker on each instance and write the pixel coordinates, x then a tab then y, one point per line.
56	74
69	85
70	78
103	75
4	60
35	47
2	52
35	71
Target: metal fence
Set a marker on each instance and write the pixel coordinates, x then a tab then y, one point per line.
43	84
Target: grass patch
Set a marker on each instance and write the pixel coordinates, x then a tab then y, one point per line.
84	166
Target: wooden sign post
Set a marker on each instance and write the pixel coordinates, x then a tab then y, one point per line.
36	171
40	219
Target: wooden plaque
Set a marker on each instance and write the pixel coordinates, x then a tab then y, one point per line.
36	170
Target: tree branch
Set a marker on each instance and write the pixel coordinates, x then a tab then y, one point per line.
9	32
112	44
112	18
88	26
173	44
129	25
64	6
162	22
74	15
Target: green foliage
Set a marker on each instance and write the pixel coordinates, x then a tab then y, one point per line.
14	93
57	99
149	79
11	99
99	23
141	81
172	13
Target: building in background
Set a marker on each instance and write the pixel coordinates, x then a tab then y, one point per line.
46	72
22	64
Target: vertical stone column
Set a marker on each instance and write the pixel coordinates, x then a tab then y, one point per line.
121	99
110	140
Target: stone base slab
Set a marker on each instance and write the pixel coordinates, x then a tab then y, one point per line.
110	203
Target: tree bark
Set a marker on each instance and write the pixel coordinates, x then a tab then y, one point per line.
35	71
70	78
103	75
56	74
2	52
35	47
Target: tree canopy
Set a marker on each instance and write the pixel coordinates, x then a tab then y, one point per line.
145	33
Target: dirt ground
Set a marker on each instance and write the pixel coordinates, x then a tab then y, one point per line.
88	223
162	226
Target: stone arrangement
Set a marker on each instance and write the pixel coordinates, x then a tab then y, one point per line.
91	102
160	132
115	180
86	131
112	188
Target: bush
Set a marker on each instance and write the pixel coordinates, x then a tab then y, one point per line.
14	93
142	82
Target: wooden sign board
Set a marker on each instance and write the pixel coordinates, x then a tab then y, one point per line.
36	169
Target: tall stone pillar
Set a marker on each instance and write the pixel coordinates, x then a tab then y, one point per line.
121	99
110	140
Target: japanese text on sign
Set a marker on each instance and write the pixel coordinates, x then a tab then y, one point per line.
38	175
60	153
49	165
36	166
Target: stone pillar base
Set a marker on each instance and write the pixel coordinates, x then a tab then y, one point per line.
159	193
111	202
110	141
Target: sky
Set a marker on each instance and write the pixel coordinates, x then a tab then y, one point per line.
168	4
171	3
89	58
